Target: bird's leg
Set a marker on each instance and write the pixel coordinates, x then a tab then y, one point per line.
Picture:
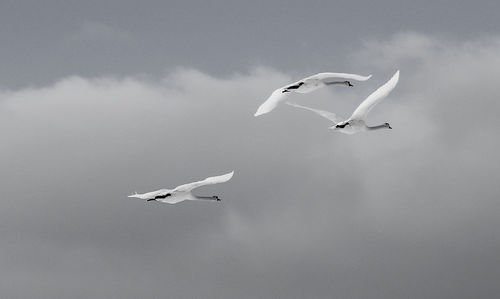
292	87
342	125
163	196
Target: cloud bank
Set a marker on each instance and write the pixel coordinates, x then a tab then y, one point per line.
308	213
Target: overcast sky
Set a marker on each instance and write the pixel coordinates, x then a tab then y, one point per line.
102	98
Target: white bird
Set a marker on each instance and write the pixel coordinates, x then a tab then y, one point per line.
183	192
356	123
306	85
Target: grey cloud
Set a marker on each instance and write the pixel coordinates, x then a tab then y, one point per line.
410	212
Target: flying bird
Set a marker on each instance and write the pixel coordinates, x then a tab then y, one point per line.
183	192
356	123
306	85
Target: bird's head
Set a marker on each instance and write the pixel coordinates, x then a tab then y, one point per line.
388	125
216	198
348	83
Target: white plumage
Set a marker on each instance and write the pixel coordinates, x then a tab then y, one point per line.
306	85
356	123
183	192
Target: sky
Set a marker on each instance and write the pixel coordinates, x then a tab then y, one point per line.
99	99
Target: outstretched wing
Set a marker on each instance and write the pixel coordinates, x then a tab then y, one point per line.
373	99
274	99
208	181
278	95
324	76
328	115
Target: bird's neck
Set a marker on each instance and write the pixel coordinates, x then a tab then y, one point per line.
377	127
337	83
203	197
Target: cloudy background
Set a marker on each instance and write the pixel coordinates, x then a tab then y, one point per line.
102	98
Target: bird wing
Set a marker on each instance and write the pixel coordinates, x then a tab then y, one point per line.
324	76
208	181
328	115
173	199
373	99
278	95
271	102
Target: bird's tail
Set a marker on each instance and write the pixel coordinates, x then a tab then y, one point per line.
135	194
